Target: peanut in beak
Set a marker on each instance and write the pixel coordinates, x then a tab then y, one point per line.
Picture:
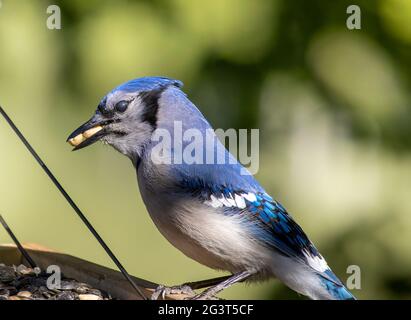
84	136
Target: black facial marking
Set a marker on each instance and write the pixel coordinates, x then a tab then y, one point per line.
102	105
119	133
102	108
150	103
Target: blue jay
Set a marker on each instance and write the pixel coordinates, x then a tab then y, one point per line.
212	212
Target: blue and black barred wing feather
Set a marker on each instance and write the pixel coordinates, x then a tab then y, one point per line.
285	234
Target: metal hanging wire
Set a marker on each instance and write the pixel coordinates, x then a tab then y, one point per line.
17	243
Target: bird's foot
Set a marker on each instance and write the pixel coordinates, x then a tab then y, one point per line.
163	291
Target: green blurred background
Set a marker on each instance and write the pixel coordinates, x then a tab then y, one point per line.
333	106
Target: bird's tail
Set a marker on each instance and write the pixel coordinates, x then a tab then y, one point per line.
333	286
337	291
315	284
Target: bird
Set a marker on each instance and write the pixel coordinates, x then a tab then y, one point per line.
211	211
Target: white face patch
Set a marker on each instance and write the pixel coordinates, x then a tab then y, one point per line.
229	201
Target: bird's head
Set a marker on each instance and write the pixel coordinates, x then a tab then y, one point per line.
126	117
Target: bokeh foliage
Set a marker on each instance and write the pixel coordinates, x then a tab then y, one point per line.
333	106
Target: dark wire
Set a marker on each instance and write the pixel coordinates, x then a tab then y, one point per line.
18	244
72	203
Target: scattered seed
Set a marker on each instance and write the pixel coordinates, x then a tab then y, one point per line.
7	274
66	295
24	283
24	294
89	297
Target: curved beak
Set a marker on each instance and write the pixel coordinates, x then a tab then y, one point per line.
89	133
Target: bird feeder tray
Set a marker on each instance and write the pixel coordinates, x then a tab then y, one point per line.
97	276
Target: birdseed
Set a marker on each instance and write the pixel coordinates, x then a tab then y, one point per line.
24	283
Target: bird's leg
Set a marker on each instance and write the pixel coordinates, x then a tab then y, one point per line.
211	292
186	288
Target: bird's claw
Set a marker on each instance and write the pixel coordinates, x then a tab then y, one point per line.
163	291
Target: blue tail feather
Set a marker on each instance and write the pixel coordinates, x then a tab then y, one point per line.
335	288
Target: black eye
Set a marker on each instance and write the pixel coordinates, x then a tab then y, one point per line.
122	105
